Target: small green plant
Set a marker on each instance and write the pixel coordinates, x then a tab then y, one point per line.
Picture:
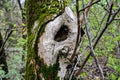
114	63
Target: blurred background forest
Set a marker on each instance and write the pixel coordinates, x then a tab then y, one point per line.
13	38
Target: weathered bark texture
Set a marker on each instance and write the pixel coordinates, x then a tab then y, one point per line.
52	30
3	62
57	42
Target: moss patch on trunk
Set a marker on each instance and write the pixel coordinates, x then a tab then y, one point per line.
43	11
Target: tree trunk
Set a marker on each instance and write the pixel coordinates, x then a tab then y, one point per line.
52	30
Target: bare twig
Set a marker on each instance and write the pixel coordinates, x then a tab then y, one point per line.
87	7
95	16
91	47
79	22
20	5
100	24
78	33
109	21
72	71
78	59
117	19
3	44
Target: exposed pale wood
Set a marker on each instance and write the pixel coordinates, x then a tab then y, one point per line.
49	48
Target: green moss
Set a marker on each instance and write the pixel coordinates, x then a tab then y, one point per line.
50	73
30	72
43	11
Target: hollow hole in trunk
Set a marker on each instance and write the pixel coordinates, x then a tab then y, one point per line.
62	33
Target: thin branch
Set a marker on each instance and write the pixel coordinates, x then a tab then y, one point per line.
10	29
91	47
86	11
78	33
20	5
72	71
99	26
117	19
96	42
109	21
78	59
1	48
95	16
22	12
79	22
89	5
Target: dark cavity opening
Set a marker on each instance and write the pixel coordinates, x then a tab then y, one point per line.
62	33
